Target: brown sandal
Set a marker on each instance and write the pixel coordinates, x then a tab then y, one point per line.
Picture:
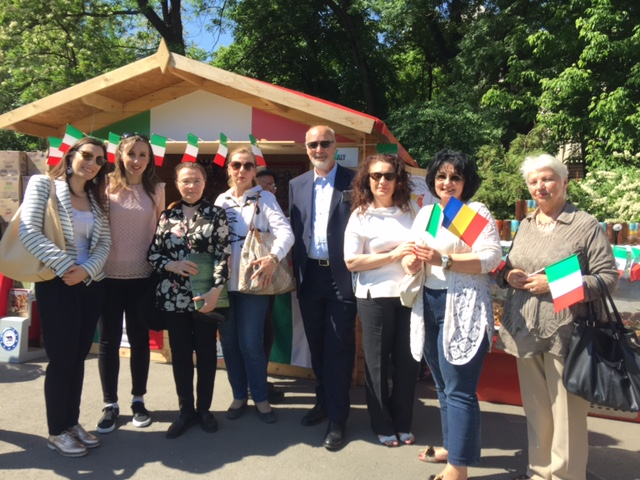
428	455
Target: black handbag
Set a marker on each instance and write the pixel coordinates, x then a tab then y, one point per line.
603	363
147	310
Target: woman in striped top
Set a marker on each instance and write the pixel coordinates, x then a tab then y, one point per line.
69	305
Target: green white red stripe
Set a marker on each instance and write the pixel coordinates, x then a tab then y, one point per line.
565	282
55	154
221	154
620	254
290	346
256	151
434	220
634	270
159	146
191	153
112	146
71	136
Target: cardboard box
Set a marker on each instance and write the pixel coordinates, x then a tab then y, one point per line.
37	163
13	163
8	208
18	304
11	187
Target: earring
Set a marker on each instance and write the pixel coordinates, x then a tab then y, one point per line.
95	180
69	169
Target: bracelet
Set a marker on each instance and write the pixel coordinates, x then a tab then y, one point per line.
274	257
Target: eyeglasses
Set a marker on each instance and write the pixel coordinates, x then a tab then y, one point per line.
389	177
88	156
452	178
186	183
324	144
269	185
248	166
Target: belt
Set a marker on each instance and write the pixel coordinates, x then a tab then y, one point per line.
320	262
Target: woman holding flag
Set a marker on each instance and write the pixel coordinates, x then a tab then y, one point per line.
537	323
457	245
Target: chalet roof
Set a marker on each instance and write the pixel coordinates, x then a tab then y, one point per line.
164	77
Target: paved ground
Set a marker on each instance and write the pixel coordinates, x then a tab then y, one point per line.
249	449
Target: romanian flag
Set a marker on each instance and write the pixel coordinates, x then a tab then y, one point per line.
634	270
565	282
257	152
620	254
112	146
221	155
159	146
463	221
71	136
191	153
55	155
434	220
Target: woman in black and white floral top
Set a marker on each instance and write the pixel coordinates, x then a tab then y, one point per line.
193	226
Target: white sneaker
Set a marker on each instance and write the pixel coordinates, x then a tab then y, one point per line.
84	437
67	445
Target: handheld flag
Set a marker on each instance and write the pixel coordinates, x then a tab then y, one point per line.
257	152
112	146
620	254
158	145
71	136
565	282
434	220
634	270
221	155
191	153
463	221
55	155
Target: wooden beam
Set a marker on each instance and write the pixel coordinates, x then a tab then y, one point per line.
35	129
189	77
103	103
274	106
163	56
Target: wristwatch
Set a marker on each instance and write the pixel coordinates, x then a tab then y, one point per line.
446	262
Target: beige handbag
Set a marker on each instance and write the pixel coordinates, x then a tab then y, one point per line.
16	261
257	245
411	287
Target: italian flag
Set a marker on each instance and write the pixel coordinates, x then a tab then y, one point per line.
290	346
55	155
191	153
634	270
112	146
158	145
620	254
434	220
71	136
565	282
257	152
221	155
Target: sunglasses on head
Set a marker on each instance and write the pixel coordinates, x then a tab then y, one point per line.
441	177
376	176
324	144
88	156
248	166
134	134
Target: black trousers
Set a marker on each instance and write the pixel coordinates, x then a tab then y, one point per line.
385	340
123	296
69	316
189	333
329	324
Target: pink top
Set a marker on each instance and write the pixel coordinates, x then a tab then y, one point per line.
133	218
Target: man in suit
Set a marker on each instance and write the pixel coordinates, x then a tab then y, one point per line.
320	206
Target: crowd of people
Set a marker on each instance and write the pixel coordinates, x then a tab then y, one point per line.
352	237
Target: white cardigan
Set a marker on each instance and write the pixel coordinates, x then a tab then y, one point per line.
469	307
269	218
32	222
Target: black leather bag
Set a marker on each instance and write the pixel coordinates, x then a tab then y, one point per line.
603	364
148	312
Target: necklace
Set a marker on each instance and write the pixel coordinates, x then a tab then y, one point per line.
194	204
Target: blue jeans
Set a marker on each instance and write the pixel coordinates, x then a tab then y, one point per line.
242	338
456	386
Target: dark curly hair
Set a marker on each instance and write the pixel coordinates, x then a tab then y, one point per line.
463	166
362	194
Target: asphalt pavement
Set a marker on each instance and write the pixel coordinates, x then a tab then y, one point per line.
249	449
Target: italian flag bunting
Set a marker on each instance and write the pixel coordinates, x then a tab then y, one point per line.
565	282
55	154
71	136
112	146
620	254
434	220
191	153
221	155
257	152
634	270
158	145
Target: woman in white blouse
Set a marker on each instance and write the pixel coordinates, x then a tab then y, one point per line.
242	334
375	243
455	311
71	302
